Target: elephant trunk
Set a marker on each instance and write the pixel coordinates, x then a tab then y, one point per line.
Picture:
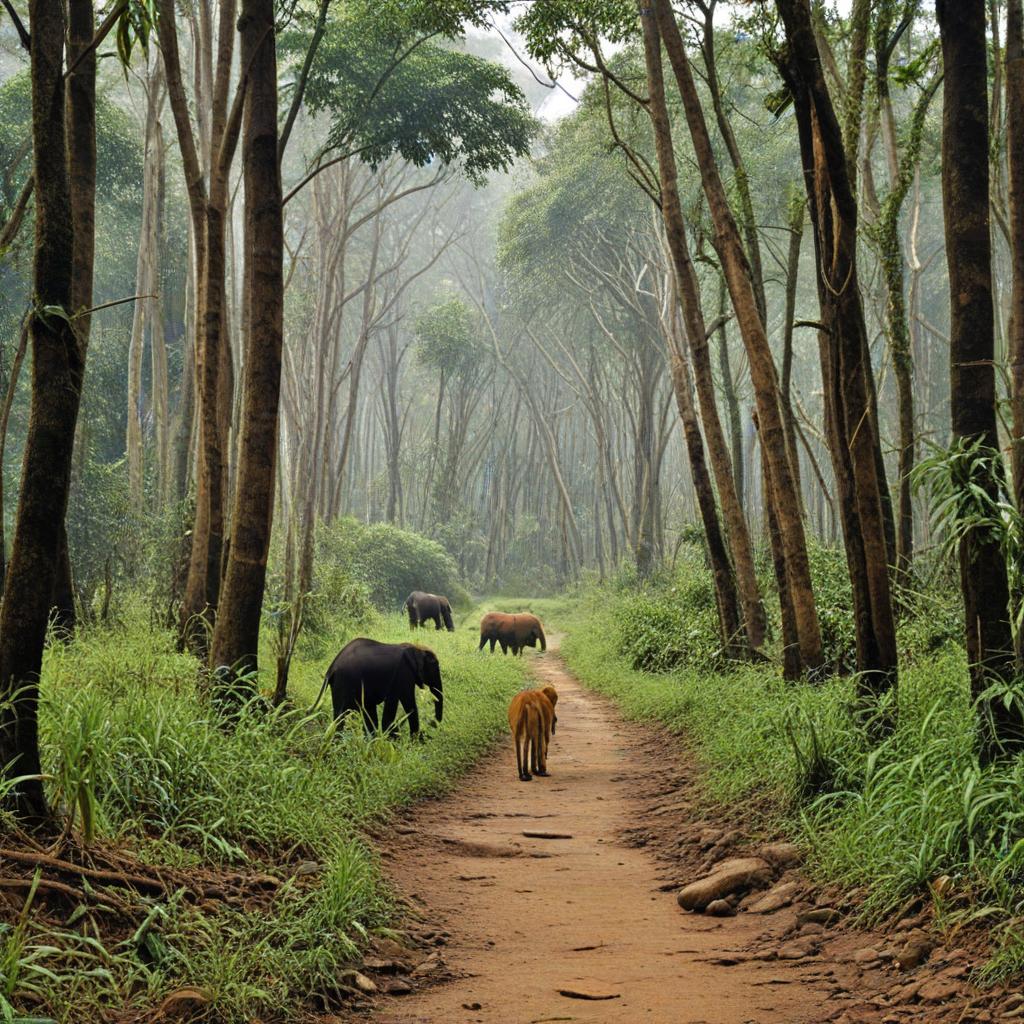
540	635
438	695
446	614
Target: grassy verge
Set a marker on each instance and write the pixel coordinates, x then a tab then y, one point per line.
887	821
152	774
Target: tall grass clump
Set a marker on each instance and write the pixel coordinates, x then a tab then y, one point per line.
135	761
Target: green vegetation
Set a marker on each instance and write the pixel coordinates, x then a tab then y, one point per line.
885	820
151	774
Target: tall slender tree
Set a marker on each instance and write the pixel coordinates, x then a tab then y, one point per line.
58	363
689	293
236	635
845	359
763	373
965	208
1015	160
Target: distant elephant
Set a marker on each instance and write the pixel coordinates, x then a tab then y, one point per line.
422	606
367	673
513	632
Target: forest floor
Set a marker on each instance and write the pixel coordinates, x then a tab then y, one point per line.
582	924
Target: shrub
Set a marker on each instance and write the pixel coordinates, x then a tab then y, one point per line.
672	621
834	597
390	561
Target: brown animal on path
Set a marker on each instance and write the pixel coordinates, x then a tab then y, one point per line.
511	631
531	717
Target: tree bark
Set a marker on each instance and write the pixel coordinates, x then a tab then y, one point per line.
5	419
965	207
762	366
721	569
236	636
689	295
741	179
885	234
208	207
80	131
57	371
797	214
732	403
146	284
846	366
1015	160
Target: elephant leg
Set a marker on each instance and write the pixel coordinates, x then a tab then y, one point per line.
504	647
343	704
412	713
493	642
483	640
437	621
387	721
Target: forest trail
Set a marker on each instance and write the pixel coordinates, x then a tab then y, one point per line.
530	918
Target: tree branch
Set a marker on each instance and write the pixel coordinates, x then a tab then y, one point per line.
24	38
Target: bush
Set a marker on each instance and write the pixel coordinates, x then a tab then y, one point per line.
834	596
670	622
391	562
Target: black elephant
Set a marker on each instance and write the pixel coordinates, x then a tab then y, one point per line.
422	607
367	673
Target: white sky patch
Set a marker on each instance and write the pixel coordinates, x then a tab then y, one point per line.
559	101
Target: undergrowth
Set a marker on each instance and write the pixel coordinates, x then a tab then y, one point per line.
887	821
143	766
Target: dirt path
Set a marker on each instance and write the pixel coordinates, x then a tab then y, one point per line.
529	918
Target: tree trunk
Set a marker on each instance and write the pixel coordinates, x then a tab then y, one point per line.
146	284
159	381
796	236
1015	159
965	207
741	179
846	367
5	419
57	371
755	339
208	207
732	404
80	130
721	569
236	636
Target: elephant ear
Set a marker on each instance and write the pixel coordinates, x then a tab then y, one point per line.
414	658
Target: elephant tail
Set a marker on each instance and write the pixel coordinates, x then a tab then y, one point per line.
320	695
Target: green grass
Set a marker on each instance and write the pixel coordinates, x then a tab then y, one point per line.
147	766
886	821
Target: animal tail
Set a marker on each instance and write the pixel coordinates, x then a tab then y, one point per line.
320	695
